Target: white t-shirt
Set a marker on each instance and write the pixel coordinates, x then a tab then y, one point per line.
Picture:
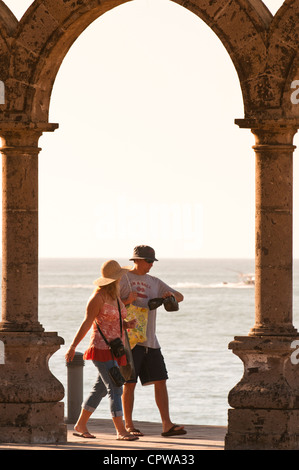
147	287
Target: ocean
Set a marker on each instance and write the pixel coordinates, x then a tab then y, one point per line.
217	306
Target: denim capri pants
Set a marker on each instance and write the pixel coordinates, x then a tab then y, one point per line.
102	387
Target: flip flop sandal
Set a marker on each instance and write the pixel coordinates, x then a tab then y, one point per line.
174	432
135	432
84	435
127	438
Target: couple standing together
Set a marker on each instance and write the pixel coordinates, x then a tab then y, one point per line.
116	288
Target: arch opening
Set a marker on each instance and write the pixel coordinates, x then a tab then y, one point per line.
178	135
175	121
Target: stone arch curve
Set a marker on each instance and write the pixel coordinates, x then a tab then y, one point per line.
265	54
284	40
48	29
241	26
262	48
8	24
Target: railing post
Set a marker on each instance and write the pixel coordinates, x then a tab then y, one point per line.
74	387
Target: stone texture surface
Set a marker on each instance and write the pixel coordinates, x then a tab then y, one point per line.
264	51
263	429
262	48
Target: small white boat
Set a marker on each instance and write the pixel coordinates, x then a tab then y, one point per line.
247	279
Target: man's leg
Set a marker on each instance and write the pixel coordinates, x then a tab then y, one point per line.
128	404
138	353
161	396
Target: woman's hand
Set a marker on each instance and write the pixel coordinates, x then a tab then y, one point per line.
131	298
70	354
130	324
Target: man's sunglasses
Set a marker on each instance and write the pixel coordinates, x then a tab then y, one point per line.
149	261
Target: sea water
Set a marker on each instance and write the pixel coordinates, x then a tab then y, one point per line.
202	370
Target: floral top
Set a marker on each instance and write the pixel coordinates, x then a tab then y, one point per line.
108	321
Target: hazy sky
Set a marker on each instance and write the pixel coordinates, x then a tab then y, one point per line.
147	150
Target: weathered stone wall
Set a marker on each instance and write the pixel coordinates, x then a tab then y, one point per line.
264	51
262	48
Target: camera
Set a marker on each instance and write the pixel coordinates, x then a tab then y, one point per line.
170	303
117	347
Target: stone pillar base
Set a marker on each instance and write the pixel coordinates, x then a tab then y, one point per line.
31	410
265	402
34	423
262	430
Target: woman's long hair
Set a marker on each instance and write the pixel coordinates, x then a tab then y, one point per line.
111	290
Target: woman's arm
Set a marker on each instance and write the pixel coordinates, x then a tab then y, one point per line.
92	310
130	299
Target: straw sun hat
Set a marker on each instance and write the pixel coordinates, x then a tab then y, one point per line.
111	271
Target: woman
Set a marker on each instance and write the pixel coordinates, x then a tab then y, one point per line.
103	310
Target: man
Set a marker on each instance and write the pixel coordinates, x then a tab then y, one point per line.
138	287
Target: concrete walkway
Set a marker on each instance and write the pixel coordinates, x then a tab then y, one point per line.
197	438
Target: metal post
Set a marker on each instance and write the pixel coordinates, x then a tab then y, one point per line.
75	387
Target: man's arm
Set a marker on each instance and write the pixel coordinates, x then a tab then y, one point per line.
178	296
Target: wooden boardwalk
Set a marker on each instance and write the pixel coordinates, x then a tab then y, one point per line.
197	438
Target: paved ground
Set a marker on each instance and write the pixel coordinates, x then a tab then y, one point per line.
197	438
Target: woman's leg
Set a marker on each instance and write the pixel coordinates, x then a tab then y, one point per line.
97	393
81	425
115	397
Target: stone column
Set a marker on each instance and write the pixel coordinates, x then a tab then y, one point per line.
274	229
266	401
20	229
29	394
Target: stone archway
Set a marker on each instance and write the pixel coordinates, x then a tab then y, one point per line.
265	54
62	25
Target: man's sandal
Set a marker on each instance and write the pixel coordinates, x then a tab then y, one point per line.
174	432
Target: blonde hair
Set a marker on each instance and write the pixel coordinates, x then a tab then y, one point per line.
110	290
